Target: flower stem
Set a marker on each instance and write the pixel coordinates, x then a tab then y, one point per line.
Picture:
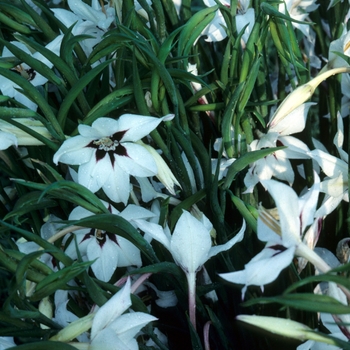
191	280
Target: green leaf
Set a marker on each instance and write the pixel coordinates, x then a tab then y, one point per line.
30	202
58	280
76	89
305	301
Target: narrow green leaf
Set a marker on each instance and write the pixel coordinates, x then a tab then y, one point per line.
76	89
305	301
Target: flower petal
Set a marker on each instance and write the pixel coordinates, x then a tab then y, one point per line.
117	185
74	151
264	268
112	309
190	243
287	203
107	258
223	247
93	175
138	162
138	126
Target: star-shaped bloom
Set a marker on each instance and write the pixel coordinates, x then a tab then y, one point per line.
284	238
107	153
110	250
335	185
277	164
9	88
191	246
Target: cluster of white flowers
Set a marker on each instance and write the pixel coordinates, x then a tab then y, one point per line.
107	153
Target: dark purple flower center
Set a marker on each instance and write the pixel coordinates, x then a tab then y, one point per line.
101	236
28	74
110	145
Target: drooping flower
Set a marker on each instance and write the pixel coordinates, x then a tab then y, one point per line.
107	153
191	246
109	249
284	238
335	185
277	164
9	88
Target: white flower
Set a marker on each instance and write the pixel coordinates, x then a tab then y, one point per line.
110	250
283	238
107	154
335	185
113	330
277	164
191	246
9	88
101	16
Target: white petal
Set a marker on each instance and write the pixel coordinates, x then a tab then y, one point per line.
137	126
138	161
263	269
335	186
308	203
7	140
135	212
128	325
93	175
243	20
296	148
328	205
107	258
74	151
330	165
85	11
190	243
215	30
105	126
112	309
155	231
107	339
294	122
223	247
117	185
128	254
287	203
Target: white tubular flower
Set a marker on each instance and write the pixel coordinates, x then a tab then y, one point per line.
164	174
107	153
191	246
10	135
